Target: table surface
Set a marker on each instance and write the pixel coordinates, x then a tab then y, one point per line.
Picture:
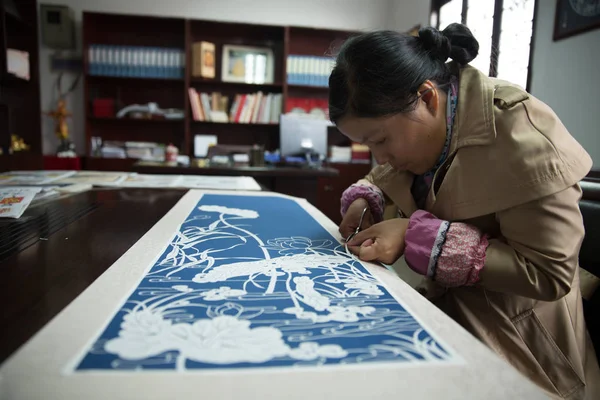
39	281
43	279
266	171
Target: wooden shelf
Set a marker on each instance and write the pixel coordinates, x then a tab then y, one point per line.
123	79
237	85
309	88
140	121
231	124
138	30
108	164
17	21
9	78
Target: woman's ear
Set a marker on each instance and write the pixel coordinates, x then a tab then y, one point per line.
430	95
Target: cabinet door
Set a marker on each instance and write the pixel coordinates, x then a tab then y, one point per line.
330	189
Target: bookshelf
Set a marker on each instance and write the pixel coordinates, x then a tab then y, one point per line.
107	29
19	98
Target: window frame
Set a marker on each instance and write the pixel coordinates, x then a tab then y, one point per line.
436	5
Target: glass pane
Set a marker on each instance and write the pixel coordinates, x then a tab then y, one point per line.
450	12
433	19
480	19
515	41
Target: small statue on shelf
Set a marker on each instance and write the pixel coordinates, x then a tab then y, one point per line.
66	148
17	144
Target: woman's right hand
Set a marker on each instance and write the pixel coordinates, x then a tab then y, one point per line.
352	218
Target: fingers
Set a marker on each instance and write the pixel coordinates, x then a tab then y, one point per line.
345	231
369	233
367	251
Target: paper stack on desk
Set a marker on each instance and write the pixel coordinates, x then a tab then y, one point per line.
15	200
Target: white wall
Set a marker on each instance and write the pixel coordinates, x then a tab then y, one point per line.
565	76
334	14
405	14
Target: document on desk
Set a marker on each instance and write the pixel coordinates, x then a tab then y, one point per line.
252	295
15	200
150	181
219	182
15	178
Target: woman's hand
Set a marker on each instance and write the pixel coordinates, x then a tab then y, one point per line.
352	218
383	242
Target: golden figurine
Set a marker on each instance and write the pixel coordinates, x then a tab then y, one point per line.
60	118
61	129
18	144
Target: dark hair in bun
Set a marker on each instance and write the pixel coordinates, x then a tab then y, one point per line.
456	42
378	73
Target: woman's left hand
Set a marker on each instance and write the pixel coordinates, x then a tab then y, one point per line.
383	242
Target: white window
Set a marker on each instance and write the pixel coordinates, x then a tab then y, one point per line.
503	28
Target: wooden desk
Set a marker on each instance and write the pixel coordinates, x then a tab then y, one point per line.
322	187
97	239
39	281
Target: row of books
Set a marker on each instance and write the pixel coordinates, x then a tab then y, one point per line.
138	150
253	108
309	70
137	62
304	105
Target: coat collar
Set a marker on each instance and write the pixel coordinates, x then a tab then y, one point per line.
474	125
474	122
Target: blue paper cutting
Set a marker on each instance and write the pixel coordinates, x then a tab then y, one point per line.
255	281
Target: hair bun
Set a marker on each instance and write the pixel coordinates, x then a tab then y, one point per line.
435	43
464	45
456	42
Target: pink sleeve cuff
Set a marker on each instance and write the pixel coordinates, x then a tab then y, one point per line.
462	256
371	193
424	240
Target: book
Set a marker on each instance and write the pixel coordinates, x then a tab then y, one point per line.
203	60
247	108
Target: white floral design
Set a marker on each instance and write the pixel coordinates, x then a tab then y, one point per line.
306	288
221	340
209	300
308	351
238	212
295	263
222	293
335	313
362	286
291	245
182	288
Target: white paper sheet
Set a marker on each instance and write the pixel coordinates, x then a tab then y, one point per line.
15	178
219	182
15	200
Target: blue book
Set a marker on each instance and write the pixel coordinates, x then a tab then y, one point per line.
92	60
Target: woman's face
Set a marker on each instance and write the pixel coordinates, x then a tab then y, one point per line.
407	141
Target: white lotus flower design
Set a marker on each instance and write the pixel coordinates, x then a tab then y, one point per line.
335	313
222	293
293	263
311	350
221	340
362	286
238	212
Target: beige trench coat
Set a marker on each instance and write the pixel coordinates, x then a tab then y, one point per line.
513	172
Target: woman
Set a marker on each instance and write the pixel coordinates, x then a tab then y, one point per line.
485	180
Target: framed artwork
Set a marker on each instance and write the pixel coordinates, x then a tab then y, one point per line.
575	16
246	64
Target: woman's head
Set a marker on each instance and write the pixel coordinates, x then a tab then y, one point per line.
388	90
